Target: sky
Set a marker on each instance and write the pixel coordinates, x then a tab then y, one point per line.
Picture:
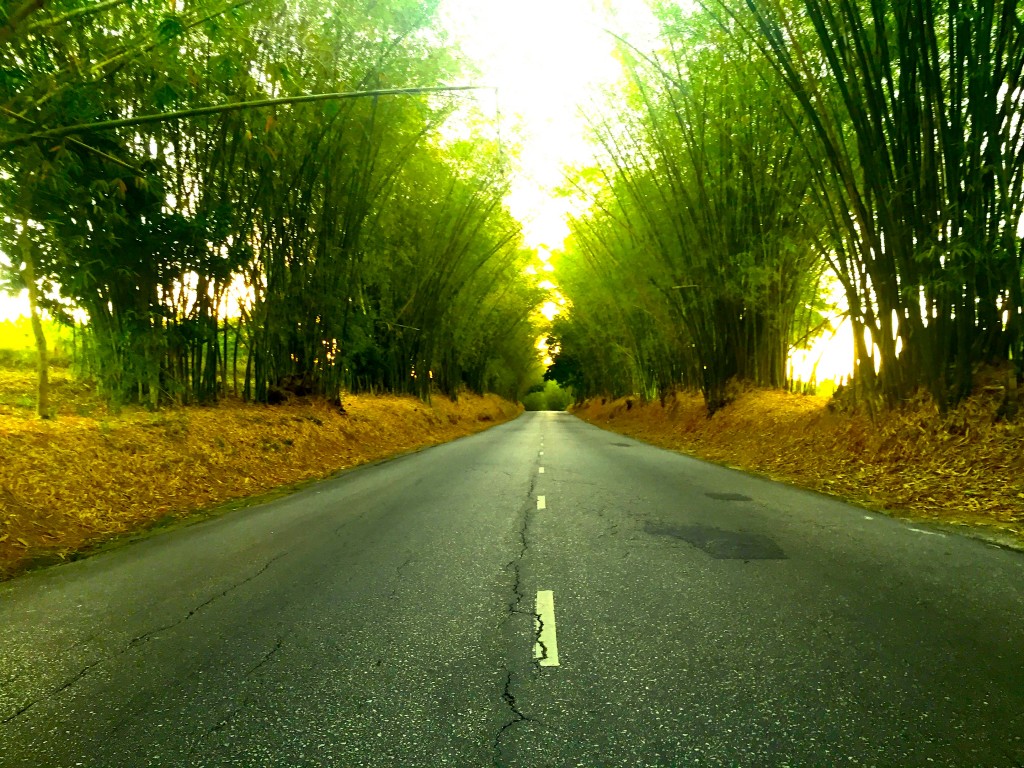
547	58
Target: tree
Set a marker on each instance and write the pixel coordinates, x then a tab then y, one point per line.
704	214
917	129
187	160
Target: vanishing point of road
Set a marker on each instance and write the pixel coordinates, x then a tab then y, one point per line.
542	594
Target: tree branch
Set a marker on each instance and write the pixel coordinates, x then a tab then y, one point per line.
58	133
15	19
76	143
84	11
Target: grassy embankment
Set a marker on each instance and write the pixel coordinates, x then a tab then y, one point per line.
963	469
90	476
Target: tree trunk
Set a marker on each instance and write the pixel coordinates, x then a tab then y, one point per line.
28	275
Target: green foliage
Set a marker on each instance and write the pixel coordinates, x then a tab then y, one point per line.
764	141
307	248
550	397
700	239
913	116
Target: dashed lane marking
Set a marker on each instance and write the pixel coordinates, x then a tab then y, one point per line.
546	647
540	471
541	503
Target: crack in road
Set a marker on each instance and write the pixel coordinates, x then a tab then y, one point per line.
517	717
515	607
147	635
266	658
59	689
245	701
134	642
16	676
399	573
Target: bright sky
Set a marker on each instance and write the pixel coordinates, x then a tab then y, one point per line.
546	57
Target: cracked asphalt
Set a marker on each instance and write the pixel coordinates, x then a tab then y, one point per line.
386	618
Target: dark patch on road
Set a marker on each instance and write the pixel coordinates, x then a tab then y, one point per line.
728	497
622	445
723	545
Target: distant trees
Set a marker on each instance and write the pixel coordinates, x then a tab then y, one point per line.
768	139
308	247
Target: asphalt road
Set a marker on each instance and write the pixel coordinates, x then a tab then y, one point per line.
702	617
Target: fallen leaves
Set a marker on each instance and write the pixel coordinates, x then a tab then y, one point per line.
72	482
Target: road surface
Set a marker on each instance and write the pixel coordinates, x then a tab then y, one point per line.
389	617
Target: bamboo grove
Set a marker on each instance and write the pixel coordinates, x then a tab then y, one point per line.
766	143
311	246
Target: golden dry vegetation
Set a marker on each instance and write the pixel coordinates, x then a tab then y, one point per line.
965	468
90	475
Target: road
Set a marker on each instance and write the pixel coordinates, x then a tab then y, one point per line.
702	617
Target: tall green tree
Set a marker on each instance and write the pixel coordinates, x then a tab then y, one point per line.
915	111
705	213
163	212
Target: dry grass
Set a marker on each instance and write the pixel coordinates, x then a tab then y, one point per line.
964	468
70	483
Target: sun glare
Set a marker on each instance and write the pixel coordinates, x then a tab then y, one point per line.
546	58
830	357
13	306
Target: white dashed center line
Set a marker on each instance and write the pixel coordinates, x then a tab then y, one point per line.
927	533
546	647
540	471
541	503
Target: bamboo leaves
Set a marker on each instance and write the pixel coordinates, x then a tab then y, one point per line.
704	214
768	138
271	148
919	122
